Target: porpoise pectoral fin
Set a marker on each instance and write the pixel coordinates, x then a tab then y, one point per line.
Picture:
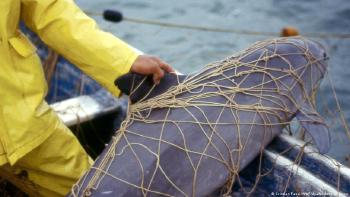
134	85
142	87
314	124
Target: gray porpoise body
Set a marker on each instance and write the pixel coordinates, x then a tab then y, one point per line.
130	164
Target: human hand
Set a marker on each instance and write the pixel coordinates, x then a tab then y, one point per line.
151	65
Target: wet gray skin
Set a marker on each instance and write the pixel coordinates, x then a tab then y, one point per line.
190	173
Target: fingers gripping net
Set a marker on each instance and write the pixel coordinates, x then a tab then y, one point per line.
198	135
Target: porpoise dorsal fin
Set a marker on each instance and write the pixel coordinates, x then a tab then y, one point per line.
314	124
142	87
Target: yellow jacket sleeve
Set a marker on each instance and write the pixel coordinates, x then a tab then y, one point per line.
66	29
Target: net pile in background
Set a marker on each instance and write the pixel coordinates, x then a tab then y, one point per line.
193	138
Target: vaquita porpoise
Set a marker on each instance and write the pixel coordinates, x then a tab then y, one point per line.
192	134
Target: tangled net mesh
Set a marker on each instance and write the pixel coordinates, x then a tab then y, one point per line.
198	135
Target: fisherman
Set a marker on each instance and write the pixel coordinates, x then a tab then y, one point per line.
32	138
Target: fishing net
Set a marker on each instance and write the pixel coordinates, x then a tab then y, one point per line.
195	135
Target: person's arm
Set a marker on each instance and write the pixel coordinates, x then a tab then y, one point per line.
66	29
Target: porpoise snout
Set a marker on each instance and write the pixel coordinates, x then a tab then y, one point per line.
320	54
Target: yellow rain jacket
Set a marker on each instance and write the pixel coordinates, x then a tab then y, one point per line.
25	119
